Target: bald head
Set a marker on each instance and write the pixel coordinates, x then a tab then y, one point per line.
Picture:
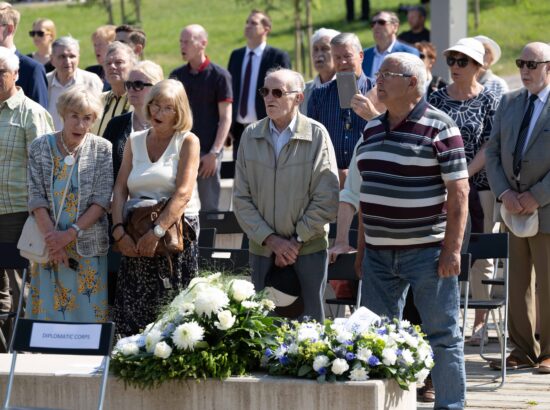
197	31
537	55
542	50
193	41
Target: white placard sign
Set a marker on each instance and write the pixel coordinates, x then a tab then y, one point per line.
65	336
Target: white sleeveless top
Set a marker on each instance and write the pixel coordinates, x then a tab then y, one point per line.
157	180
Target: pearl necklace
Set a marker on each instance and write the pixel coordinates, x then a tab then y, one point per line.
69	159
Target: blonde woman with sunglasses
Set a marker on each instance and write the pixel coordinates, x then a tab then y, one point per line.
43	35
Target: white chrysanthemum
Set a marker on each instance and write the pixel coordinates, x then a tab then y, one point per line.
210	300
293	348
358	374
186	308
405	324
249	304
424	351
128	349
163	350
343	336
364	354
241	290
396	337
410	339
267	304
308	331
389	357
421	375
152	338
214	277
339	366
407	356
226	320
187	335
320	361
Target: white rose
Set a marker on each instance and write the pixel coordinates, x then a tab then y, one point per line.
343	336
319	362
358	374
152	338
407	356
308	331
129	349
210	300
429	362
163	350
364	354
226	320
389	357
424	351
339	366
421	375
187	335
241	290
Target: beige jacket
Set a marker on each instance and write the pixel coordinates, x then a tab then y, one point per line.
295	194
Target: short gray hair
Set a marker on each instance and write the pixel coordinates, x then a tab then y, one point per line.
411	65
323	32
80	99
297	82
67	42
393	17
9	58
345	39
119	46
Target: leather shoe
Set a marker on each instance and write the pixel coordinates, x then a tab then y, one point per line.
426	393
513	363
544	366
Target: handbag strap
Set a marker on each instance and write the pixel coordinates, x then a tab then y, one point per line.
65	192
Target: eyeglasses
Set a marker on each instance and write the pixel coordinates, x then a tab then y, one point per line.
531	65
380	22
276	92
38	33
155	108
461	62
388	74
137	85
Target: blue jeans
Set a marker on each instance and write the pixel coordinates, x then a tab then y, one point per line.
387	275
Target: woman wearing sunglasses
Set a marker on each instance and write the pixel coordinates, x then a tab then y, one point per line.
143	76
473	108
161	162
43	35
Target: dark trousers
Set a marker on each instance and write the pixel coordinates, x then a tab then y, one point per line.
237	130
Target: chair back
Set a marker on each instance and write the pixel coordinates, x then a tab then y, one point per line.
10	258
225	222
207	237
225	260
488	246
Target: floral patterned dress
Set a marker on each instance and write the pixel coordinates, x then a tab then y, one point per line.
58	292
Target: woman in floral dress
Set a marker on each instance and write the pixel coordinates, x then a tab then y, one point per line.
72	286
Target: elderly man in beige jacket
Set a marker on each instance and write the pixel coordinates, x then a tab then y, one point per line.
286	190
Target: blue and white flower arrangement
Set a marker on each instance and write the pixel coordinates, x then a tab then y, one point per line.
356	349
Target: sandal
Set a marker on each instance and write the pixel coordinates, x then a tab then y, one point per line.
475	339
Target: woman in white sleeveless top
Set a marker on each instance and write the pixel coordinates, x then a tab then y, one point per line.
161	162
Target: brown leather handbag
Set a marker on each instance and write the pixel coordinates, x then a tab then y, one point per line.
142	219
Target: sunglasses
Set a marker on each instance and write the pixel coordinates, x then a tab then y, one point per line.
531	65
38	33
136	85
461	62
275	92
380	22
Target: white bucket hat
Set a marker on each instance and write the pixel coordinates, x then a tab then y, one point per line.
523	226
469	46
492	44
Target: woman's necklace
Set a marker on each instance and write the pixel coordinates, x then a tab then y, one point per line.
69	159
138	125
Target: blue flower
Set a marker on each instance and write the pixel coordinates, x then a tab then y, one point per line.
284	360
168	330
268	352
140	341
322	371
398	352
373	361
382	331
350	356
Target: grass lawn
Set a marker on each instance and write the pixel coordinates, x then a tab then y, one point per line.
511	22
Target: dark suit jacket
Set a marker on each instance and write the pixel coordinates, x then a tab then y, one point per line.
535	168
271	58
117	131
368	57
32	79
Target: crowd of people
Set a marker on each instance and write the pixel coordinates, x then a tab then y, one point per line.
422	162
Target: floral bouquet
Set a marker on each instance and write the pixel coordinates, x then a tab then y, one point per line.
351	349
215	328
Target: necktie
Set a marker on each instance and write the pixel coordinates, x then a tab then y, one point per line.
243	104
522	135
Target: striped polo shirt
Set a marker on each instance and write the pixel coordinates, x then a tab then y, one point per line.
397	177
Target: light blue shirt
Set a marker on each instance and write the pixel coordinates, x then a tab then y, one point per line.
280	139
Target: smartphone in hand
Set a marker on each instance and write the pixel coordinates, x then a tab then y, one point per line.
347	88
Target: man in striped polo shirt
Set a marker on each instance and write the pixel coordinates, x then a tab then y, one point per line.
408	178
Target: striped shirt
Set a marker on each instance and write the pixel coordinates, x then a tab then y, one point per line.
21	121
397	178
343	125
112	107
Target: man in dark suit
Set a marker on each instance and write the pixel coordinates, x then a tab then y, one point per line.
518	168
248	67
385	25
32	76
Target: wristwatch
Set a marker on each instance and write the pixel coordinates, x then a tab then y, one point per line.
77	229
217	154
298	239
159	231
